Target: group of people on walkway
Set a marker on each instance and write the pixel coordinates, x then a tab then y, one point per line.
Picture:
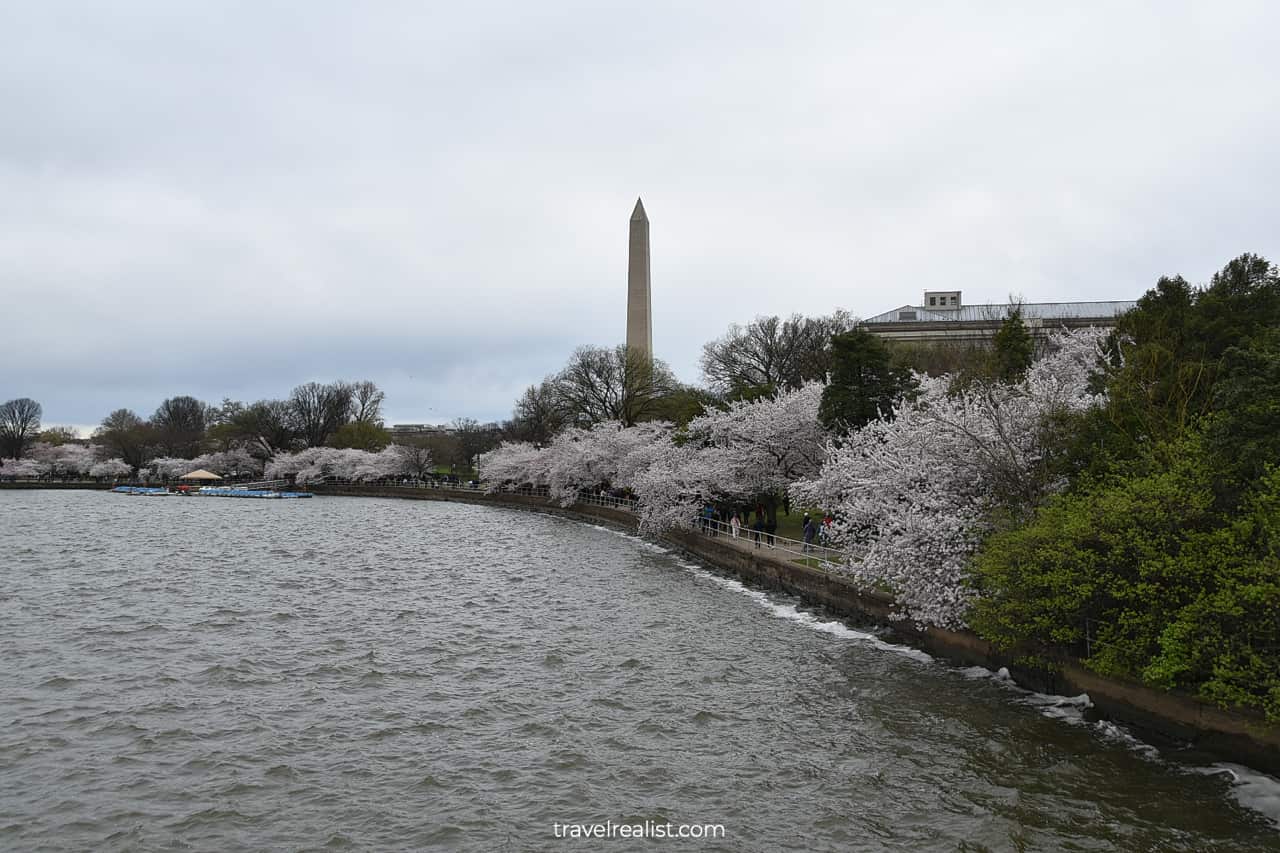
763	528
820	530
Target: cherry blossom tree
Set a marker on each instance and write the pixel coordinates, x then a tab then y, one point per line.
415	458
112	468
317	464
514	462
236	462
765	443
21	468
913	494
608	453
170	467
750	452
677	481
64	460
576	459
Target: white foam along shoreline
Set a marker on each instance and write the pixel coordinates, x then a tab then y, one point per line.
1250	788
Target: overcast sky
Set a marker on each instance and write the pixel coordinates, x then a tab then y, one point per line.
228	199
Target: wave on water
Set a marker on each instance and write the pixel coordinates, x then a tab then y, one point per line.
794	614
780	610
1250	788
1068	709
640	541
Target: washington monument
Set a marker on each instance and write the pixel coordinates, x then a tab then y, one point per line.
639	305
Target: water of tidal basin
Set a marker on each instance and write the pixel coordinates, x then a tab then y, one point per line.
377	674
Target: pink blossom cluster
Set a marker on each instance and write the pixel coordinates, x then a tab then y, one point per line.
65	460
316	464
740	452
230	463
577	459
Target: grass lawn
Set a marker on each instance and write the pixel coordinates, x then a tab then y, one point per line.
792	526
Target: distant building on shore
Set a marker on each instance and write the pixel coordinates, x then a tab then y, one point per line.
434	430
942	317
418	430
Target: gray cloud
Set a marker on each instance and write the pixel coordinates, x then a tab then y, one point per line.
235	199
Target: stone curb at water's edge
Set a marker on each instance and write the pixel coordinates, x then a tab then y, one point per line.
1233	735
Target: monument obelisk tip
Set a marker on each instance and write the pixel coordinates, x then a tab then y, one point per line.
638	214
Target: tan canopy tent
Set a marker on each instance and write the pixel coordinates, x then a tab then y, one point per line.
200	474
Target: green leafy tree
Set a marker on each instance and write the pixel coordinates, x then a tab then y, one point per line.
683	404
1140	576
864	384
58	436
1244	429
1174	342
1162	561
362	435
1012	346
1225	643
415	453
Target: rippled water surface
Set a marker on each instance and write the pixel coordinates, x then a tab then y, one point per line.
377	674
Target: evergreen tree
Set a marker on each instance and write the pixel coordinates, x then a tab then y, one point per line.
864	382
1014	348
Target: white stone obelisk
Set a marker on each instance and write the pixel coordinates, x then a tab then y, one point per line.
639	306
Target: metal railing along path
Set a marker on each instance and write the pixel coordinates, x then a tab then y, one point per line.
748	537
624	504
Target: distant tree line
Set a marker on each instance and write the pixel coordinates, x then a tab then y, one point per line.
339	415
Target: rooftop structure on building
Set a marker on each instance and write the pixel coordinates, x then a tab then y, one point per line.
943	316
